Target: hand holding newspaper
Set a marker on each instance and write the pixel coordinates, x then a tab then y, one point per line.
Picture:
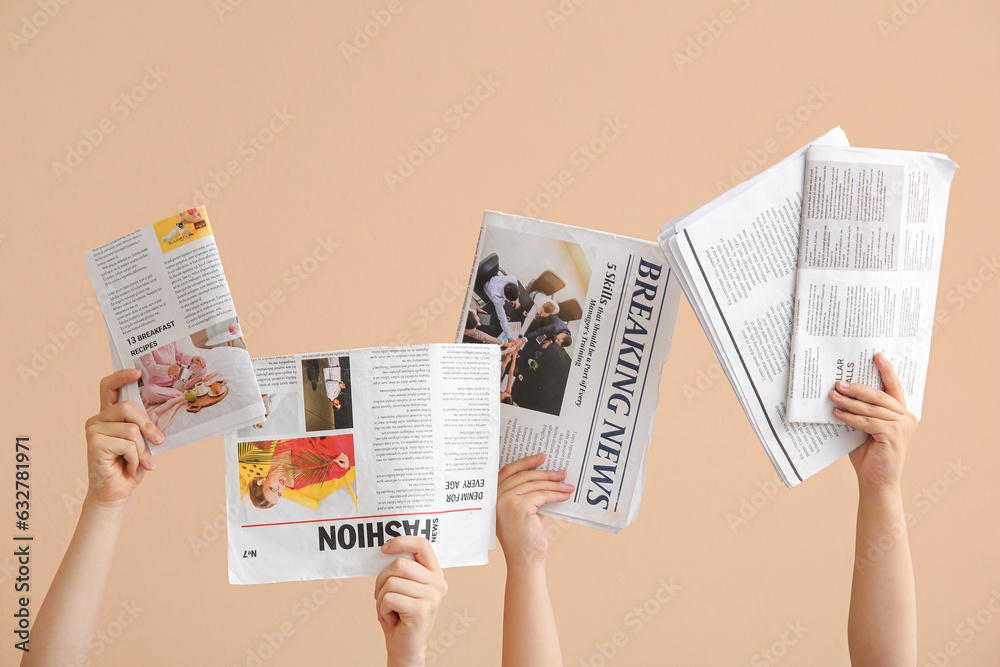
359	447
736	258
868	264
166	304
584	319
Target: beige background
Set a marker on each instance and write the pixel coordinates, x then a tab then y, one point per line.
404	258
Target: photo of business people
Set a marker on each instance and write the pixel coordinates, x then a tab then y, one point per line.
527	298
326	387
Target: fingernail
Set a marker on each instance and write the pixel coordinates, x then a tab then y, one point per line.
157	437
837	411
152	464
836	394
841	385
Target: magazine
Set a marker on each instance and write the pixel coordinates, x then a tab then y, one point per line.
736	257
584	319
868	263
360	446
166	303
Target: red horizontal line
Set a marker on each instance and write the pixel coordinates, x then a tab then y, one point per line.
352	518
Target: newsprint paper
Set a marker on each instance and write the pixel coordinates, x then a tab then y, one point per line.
168	310
869	258
736	257
358	447
585	320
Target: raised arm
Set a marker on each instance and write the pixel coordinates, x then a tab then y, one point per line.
530	638
882	626
117	459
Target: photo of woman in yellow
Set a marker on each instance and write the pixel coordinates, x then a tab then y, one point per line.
294	465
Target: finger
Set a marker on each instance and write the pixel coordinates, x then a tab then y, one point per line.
529	476
517	466
849	404
123	448
407	587
418	546
869	425
543	485
390	619
127	411
871	395
131	432
539	498
110	384
406	569
889	379
392	606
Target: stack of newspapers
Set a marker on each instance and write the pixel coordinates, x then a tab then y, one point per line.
802	273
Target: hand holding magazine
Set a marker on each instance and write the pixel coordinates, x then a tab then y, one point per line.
168	310
359	447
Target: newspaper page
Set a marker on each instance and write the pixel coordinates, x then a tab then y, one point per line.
585	320
168	310
869	258
735	257
358	447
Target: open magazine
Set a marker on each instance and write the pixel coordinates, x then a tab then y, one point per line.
360	446
736	258
585	320
868	263
168	310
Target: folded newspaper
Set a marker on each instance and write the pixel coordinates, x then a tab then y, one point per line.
168	310
358	447
736	258
868	263
585	320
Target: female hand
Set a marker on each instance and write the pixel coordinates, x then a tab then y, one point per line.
521	490
884	417
408	594
117	456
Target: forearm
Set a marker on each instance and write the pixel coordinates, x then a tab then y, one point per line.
529	319
405	661
68	616
498	306
882	626
505	325
530	638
